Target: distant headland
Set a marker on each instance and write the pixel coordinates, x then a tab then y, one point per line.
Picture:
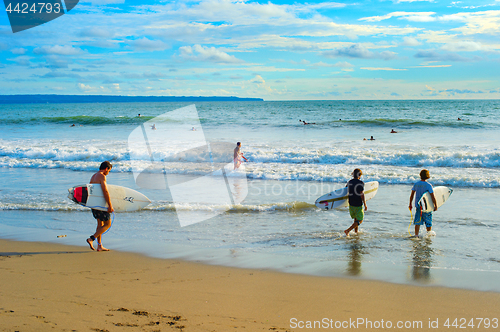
57	99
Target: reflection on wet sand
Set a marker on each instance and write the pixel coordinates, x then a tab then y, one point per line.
355	256
422	260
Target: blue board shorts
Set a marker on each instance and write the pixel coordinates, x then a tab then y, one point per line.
100	215
425	218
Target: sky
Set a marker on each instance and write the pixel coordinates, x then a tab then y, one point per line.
275	50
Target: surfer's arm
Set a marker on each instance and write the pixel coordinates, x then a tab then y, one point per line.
434	201
411	199
105	193
364	200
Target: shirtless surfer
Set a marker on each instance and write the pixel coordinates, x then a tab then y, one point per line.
238	155
103	217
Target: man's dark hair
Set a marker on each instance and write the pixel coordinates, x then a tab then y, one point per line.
238	144
104	165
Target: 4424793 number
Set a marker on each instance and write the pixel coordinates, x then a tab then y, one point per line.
39	7
462	323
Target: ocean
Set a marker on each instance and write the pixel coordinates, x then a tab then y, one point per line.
273	223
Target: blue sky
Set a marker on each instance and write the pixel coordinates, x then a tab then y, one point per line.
281	50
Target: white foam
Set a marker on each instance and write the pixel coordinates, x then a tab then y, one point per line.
458	166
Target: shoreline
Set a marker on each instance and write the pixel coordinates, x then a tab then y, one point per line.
62	287
418	272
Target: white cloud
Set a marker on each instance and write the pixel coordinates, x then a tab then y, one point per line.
431	66
353	51
382	68
84	87
96	32
464	46
400	1
322	64
411	41
410	16
102	2
432	55
22	60
18	51
55	61
206	54
359	51
258	80
145	44
57	49
344	64
321	5
485	22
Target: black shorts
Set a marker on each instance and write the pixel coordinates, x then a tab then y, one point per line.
100	215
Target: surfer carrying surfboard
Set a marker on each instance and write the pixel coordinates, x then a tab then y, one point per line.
102	217
356	198
417	191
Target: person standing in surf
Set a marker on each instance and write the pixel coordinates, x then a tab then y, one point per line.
102	217
356	198
417	191
238	155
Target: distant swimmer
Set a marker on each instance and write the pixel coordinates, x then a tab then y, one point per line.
306	123
459	119
356	198
193	129
102	217
238	155
153	127
370	139
393	131
139	115
73	125
417	191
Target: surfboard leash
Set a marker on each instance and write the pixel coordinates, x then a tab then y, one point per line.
112	220
411	213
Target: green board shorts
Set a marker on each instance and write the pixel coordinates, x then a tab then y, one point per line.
357	213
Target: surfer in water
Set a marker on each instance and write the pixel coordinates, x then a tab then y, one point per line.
417	191
356	198
102	217
238	155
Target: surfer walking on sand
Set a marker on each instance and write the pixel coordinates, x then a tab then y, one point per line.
356	198
238	155
102	217
417	191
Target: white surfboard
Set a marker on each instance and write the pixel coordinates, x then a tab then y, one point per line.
123	199
441	194
338	198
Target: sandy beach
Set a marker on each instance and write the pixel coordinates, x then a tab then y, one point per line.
47	286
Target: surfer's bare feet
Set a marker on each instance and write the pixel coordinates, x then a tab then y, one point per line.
89	241
346	233
101	248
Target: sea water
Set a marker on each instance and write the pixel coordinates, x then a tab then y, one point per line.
277	225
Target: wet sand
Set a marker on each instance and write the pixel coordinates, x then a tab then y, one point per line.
54	287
